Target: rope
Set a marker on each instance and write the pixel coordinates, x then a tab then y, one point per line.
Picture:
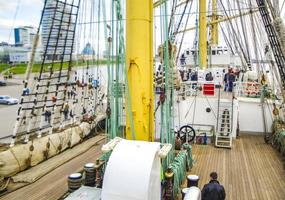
52	64
179	167
107	46
52	45
20	113
5	185
52	143
117	73
167	129
69	55
98	49
18	162
185	27
243	25
14	19
85	70
111	73
236	38
122	58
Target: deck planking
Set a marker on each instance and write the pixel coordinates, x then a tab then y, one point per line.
53	185
251	170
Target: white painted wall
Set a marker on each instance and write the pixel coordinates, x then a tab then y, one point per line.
193	111
250	116
247	112
186	112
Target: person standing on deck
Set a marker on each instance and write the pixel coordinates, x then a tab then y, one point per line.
185	75
213	190
231	80
181	74
226	81
47	115
66	111
193	78
189	74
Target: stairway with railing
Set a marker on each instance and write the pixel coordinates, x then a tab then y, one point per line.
224	123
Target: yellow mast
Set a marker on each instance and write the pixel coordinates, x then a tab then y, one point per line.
202	34
139	60
214	31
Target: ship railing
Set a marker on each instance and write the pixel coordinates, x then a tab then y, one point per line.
200	88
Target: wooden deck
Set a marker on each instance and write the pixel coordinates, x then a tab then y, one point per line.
54	185
250	170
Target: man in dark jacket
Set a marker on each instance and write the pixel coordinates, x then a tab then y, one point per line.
213	190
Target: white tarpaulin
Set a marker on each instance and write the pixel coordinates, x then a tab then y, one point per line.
133	172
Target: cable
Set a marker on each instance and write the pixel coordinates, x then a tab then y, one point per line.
183	35
14	19
177	14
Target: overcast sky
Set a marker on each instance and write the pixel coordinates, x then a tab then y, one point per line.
14	13
27	13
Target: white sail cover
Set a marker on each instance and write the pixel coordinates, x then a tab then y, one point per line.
133	172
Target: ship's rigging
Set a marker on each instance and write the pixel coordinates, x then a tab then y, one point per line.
129	97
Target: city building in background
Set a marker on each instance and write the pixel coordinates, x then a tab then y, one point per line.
59	39
23	54
18	54
56	42
88	52
10	53
24	36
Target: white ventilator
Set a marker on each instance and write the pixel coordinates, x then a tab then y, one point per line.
133	172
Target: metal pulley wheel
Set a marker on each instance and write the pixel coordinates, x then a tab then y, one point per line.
186	133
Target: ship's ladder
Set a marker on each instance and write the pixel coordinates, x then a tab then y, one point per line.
49	85
272	37
224	125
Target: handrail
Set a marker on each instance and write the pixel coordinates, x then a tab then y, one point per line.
240	89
